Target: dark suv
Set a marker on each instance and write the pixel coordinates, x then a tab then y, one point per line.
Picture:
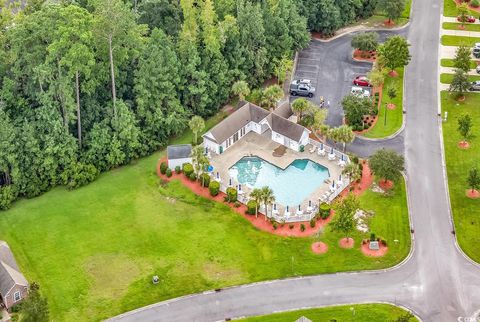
302	87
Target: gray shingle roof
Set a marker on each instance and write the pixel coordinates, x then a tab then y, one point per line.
9	271
179	151
248	112
285	127
284	110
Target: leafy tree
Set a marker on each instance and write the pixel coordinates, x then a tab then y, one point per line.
35	307
462	58
267	198
473	179
157	83
300	106
271	95
319	128
352	170
464	126
395	52
323	16
345	209
392	92
9	168
283	68
161	14
462	12
459	82
376	78
387	164
241	89
392	8
257	196
344	134
355	108
196	124
366	41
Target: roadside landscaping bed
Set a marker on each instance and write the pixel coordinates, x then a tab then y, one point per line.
466	211
94	250
450	9
448	40
394	116
446	62
458	26
359	313
447	78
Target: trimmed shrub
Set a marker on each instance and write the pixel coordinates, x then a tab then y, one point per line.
383	242
275	225
214	188
475	3
251	207
192	176
168	172
81	174
324	210
187	169
163	168
354	159
302	227
204	179
237	204
313	222
178	169
372	237
7	196
232	194
291	226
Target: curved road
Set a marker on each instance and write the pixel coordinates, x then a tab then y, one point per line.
436	282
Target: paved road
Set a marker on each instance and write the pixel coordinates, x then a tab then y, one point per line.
437	282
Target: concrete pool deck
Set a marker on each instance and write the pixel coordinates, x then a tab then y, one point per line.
253	144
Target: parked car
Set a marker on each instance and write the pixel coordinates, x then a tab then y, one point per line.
361	81
360	92
476	52
478	69
470	19
301	88
475	86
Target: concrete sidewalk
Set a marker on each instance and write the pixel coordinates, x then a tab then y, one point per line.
463	33
454	19
451	70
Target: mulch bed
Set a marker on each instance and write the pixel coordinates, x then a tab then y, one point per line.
259	222
360	55
475	194
346	243
389	23
385	185
391	106
319	248
393	74
374	253
279	151
362	186
463	145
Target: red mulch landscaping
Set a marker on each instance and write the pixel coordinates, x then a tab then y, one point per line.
385	185
319	35
259	222
374	253
469	6
360	187
319	248
346	242
389	23
393	73
463	145
360	55
391	106
475	194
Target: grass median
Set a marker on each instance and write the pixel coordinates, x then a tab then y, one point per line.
466	211
447	78
456	26
446	62
448	40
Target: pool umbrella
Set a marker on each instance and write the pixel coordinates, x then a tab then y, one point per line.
299	208
206	150
218	175
309	203
331	151
239	187
342	157
287	208
274	206
321	146
333	184
230	182
340	178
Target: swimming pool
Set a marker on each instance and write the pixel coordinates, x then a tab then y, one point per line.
290	186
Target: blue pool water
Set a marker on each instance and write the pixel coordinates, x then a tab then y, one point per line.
290	186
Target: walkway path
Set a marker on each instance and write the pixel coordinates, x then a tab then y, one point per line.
437	281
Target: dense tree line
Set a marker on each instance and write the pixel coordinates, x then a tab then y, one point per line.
89	85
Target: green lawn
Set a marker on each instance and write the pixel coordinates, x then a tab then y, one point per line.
447	78
94	250
450	9
455	26
466	212
446	62
346	313
395	116
448	40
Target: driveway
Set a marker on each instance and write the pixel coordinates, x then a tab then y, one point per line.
330	67
437	281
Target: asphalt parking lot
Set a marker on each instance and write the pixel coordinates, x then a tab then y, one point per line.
330	67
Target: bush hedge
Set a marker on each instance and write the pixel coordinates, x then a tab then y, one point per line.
251	207
214	188
187	169
231	194
193	176
178	169
302	227
168	172
324	210
163	168
204	179
313	222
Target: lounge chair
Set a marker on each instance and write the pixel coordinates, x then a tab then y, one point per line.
313	149
321	152
331	157
299	212
342	163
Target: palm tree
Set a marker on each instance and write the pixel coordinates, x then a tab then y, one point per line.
267	198
256	195
241	89
196	124
345	135
271	95
300	106
352	170
200	161
319	127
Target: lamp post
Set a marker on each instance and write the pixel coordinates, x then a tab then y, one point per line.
385	120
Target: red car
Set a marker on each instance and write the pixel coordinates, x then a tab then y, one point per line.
470	19
361	81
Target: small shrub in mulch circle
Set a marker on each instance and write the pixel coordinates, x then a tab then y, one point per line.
178	169
291	226
163	168
168	172
302	227
214	188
